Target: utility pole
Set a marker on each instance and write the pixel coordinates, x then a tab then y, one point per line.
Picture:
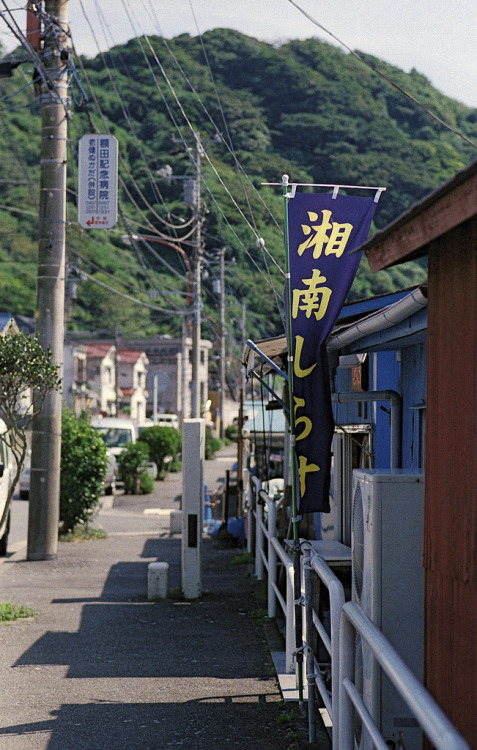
196	282
222	344
116	369
243	381
46	430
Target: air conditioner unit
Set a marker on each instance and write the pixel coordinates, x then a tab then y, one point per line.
388	585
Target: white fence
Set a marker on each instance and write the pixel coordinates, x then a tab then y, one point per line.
270	557
338	637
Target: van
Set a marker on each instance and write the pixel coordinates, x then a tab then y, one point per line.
168	420
6	475
116	432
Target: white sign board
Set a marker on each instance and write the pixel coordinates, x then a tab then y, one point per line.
98	181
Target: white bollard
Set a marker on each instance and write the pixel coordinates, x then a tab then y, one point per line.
157	580
175	522
193	451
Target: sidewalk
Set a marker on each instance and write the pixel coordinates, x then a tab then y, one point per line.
100	666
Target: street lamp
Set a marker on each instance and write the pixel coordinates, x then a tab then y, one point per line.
194	301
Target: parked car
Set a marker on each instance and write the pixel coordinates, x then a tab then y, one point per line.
116	432
168	420
6	469
110	479
144	425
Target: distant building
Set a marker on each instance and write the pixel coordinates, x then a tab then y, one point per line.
98	379
75	380
169	373
132	374
8	324
101	378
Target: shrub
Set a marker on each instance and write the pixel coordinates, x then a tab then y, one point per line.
175	465
212	444
231	433
163	441
83	468
147	483
132	469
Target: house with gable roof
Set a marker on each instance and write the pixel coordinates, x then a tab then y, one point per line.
132	373
102	379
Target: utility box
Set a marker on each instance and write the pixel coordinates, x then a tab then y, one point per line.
193	452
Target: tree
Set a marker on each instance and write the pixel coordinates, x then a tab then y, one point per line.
83	468
26	370
132	469
163	441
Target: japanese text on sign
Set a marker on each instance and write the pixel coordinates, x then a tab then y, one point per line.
97	190
322	231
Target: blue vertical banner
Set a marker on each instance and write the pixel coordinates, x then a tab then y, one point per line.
322	231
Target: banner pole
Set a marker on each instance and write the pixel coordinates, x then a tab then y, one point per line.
296	544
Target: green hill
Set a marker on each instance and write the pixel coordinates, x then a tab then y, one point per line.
303	108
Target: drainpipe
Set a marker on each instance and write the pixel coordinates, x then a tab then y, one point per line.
395	400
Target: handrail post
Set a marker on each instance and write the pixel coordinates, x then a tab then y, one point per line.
310	659
272	558
290	622
258	539
248	508
346	671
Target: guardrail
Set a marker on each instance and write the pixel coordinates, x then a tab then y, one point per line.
312	562
346	619
269	557
434	723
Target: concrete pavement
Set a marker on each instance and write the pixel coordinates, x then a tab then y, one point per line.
99	666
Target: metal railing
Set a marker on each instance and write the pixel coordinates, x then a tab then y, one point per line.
346	619
313	563
434	723
270	557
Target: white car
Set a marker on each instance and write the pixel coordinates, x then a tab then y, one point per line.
116	432
168	420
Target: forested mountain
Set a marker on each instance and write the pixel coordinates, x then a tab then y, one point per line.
303	108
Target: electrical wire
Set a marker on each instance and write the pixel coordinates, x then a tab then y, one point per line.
268	279
191	128
169	311
39	66
382	75
128	120
216	173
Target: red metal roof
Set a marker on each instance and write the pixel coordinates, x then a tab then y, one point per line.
98	351
129	355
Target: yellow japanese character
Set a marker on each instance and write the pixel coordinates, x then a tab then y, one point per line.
315	299
296	359
306	421
334	243
303	469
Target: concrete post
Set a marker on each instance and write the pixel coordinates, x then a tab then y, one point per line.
193	451
46	435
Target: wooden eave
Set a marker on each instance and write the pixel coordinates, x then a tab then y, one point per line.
409	236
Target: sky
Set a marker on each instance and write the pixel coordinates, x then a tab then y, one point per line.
437	37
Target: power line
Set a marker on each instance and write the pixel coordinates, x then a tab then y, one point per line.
386	78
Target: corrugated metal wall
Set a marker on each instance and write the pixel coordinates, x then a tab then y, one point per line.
450	530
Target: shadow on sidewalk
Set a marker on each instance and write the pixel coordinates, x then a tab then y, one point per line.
159	675
241	721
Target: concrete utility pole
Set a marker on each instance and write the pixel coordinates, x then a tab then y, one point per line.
243	381
46	436
197	263
222	344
